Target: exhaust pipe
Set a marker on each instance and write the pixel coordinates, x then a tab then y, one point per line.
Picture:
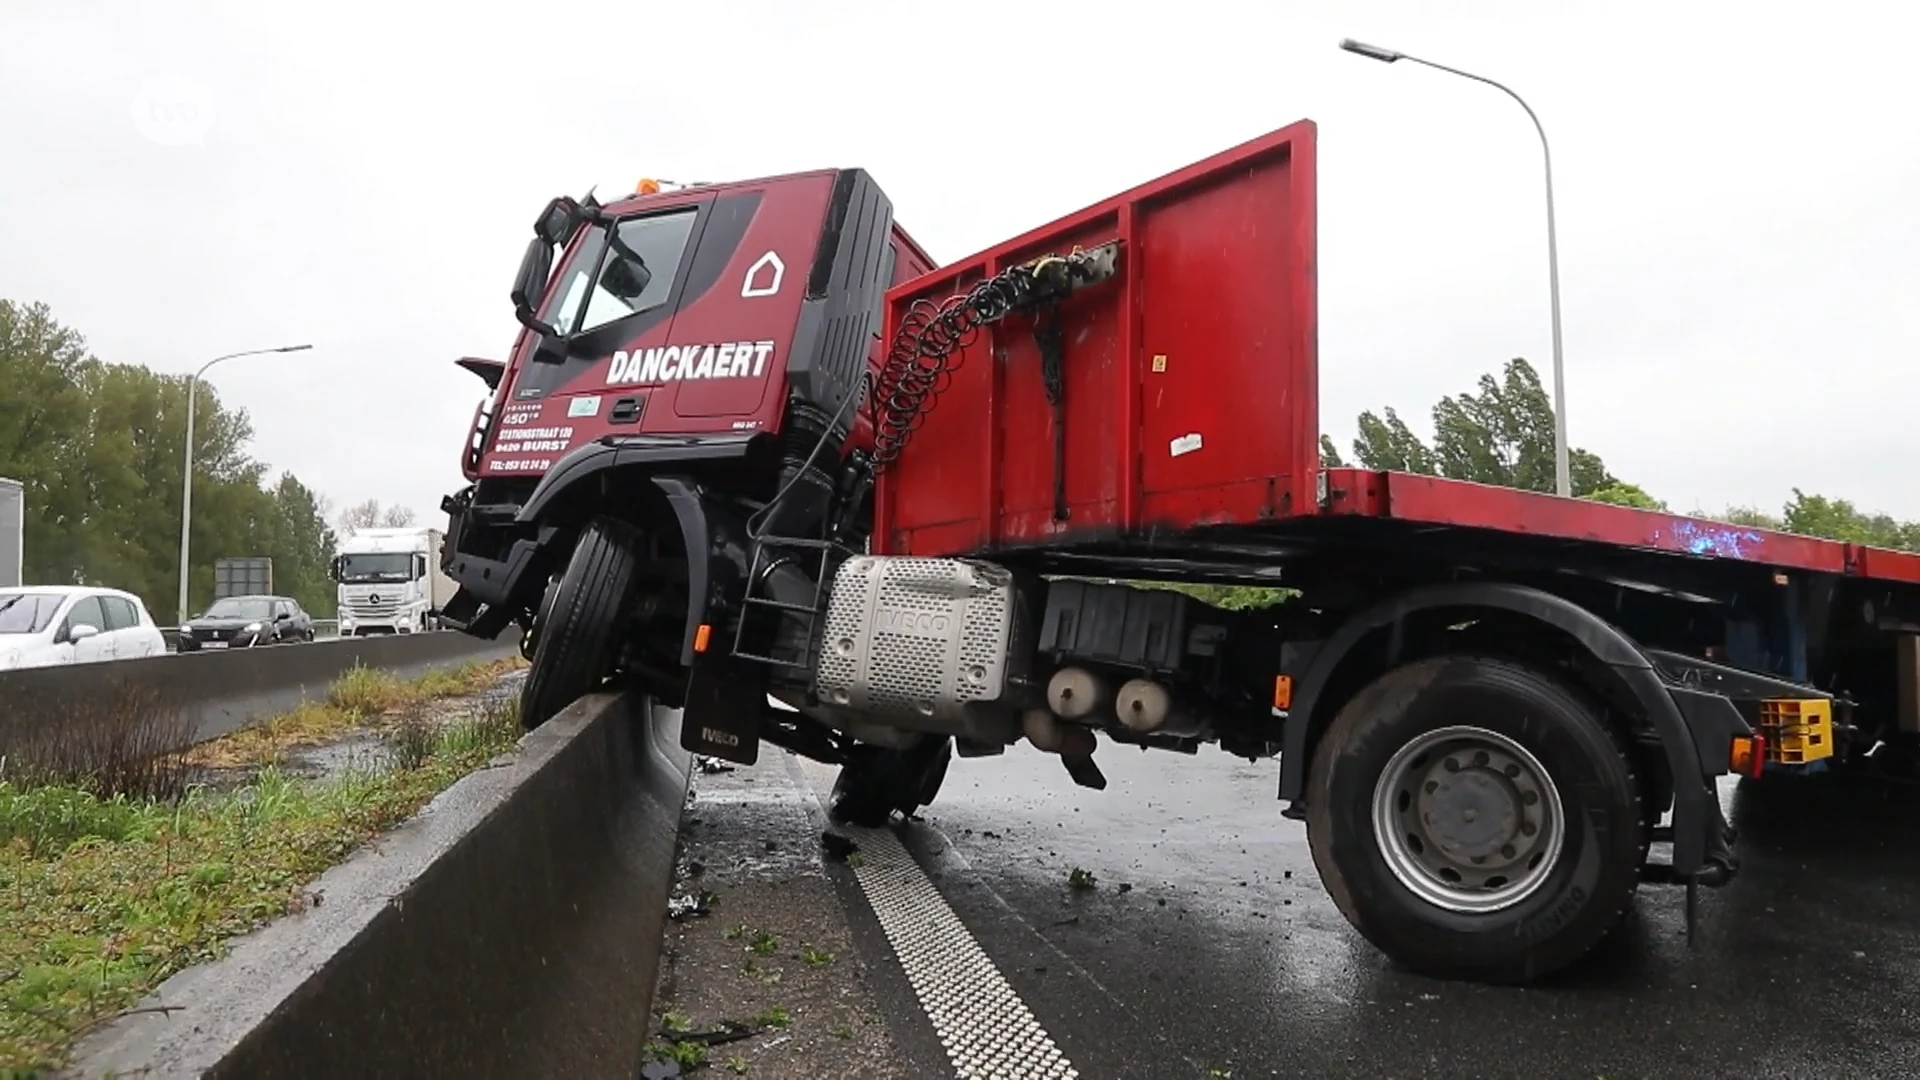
1045	731
1148	708
1075	693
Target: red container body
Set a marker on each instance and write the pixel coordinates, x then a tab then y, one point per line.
1190	378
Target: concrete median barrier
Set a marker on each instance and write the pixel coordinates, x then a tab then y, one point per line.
192	697
512	929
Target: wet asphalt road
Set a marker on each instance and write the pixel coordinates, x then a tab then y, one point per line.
1225	954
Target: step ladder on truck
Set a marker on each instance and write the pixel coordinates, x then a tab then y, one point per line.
712	470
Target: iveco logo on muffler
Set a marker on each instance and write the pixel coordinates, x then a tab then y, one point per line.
915	623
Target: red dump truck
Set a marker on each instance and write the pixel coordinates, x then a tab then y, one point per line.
753	442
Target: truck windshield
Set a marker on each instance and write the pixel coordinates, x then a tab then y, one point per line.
234	607
377	566
26	612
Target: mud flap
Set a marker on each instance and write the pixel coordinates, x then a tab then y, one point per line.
725	700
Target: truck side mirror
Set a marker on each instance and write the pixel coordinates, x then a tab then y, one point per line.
530	282
333	568
559	220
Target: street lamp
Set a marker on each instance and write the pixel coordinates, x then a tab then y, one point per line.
186	475
1562	471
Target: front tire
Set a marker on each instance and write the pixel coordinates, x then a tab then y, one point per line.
578	633
879	780
1475	819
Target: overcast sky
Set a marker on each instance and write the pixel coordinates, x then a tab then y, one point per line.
1736	187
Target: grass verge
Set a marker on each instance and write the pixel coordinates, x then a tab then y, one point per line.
102	898
364	699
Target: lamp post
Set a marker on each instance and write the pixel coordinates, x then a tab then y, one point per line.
1562	471
186	474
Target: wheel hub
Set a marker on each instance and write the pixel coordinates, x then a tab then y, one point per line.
1467	819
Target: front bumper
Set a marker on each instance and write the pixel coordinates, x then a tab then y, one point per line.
194	640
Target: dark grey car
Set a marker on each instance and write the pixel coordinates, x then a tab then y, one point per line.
244	621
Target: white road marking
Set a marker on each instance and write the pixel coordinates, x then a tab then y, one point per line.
987	1030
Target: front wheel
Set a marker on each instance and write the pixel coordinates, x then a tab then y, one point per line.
878	780
577	635
1475	819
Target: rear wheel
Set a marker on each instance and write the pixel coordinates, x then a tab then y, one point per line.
878	781
1474	818
577	634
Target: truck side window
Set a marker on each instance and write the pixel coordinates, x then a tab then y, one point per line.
658	242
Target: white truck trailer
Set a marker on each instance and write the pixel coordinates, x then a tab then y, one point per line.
390	581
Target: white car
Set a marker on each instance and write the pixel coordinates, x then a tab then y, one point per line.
43	625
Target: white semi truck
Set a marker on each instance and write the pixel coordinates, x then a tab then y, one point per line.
390	581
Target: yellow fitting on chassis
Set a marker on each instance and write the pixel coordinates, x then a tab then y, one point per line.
1798	730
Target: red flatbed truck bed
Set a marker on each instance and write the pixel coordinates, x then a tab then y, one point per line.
1463	505
1159	420
1192	400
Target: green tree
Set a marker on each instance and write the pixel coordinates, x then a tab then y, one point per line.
302	545
98	449
1501	435
1330	455
1749	516
43	420
1390	444
1828	519
1839	519
1624	494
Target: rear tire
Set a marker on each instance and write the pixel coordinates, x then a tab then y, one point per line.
578	633
1455	758
879	780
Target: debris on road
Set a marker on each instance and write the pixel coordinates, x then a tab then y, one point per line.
690	905
837	847
778	988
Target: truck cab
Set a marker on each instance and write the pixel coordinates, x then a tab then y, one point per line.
694	373
390	581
